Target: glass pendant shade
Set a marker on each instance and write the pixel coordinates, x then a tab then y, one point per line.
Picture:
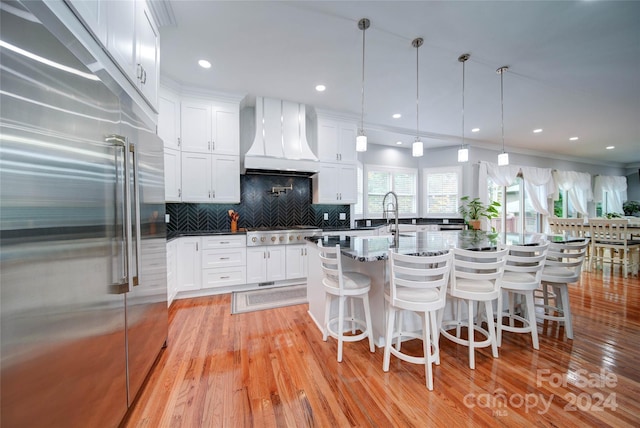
361	142
503	159
463	155
417	149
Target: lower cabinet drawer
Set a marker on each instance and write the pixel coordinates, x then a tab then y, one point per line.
224	258
223	277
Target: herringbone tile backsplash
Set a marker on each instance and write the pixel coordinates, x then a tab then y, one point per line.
258	207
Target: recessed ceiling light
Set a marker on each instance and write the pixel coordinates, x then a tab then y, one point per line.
396	116
610	147
475	130
573	138
320	88
204	63
537	131
398	142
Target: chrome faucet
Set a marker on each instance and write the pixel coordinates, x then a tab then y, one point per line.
391	208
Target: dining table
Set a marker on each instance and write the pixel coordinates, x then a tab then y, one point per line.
368	255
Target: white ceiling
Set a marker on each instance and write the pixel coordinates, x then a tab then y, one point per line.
574	67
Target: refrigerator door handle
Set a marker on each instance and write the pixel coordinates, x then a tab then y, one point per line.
136	206
122	283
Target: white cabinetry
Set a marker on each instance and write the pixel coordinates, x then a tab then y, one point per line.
132	41
335	183
93	13
172	175
266	264
224	260
147	52
297	261
189	264
210	127
336	140
169	119
172	268
210	178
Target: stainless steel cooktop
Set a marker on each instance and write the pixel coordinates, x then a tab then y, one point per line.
288	235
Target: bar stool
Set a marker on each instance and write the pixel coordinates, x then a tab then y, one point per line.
522	276
476	278
345	286
563	266
417	284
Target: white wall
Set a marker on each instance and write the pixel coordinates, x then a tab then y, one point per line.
448	156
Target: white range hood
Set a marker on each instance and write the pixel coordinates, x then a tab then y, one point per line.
280	144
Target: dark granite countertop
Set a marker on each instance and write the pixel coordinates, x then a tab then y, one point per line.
373	248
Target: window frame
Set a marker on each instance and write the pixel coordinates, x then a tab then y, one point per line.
391	170
458	170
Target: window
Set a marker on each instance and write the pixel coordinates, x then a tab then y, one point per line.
516	213
442	188
381	179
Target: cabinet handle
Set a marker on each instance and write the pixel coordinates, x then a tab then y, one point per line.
214	194
196	246
144	76
223	242
264	255
225	277
213	146
209	145
224	258
179	142
139	71
209	194
179	193
337	156
268	255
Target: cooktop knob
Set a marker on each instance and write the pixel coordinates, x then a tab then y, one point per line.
254	239
262	239
273	239
281	238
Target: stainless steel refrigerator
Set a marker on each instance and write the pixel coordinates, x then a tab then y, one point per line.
82	233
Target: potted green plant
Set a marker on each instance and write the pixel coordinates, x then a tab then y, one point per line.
631	208
472	211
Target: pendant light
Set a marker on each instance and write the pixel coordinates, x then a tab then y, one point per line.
361	139
417	149
503	158
463	151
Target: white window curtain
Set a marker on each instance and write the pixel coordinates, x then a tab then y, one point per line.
539	186
539	183
615	188
578	188
502	175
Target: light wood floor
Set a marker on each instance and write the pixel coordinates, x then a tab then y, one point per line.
271	368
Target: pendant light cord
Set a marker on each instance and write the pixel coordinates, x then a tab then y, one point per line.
362	110
502	105
416	44
463	102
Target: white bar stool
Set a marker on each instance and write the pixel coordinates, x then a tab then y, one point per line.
345	286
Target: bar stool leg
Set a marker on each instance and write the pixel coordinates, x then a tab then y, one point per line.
531	314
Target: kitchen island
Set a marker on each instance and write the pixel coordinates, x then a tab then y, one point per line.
368	255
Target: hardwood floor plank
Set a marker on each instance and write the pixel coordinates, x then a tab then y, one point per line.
272	369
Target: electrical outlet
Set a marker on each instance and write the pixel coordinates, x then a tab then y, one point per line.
326	216
413	221
445	221
368	223
343	216
167	218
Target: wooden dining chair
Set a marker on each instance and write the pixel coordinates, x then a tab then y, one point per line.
610	236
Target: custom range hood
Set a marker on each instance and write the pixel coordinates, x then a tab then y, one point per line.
280	145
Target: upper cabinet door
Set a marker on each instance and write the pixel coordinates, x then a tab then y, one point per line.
121	38
196	127
225	129
169	120
225	176
327	140
147	52
93	13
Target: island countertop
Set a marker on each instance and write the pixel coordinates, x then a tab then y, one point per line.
374	248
